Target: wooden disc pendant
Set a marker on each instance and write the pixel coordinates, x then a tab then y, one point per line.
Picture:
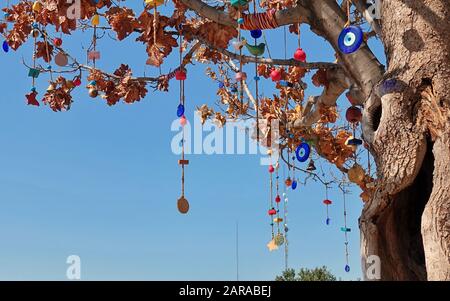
183	205
61	59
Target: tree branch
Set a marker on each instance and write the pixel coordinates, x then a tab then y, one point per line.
298	14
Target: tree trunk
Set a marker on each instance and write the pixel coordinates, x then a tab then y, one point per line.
407	222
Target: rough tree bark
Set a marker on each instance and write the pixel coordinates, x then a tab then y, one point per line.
407	223
406	125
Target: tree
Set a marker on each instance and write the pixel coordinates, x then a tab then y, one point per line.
316	274
405	123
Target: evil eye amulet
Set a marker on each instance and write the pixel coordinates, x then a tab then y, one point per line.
350	39
302	152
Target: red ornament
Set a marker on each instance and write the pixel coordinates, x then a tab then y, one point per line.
31	98
275	74
77	82
57	41
327	202
183	121
353	114
180	75
278	199
271	169
272	211
300	55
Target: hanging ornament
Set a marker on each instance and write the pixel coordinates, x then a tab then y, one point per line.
271	169
350	39
183	205
302	152
93	55
35	33
180	75
93	92
57	42
288	182
5	46
256	50
61	59
183	120
256	33
31	98
238	3
356	174
33	73
346	230
294	185
95	20
154	3
327	203
300	55
275	75
77	81
311	166
180	110
279	239
353	114
37	6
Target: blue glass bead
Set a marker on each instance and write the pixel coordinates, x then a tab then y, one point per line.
5	46
6	15
328	221
240	21
92	83
256	33
33	89
221	85
294	185
234	89
180	110
35	25
347	268
49	67
256	78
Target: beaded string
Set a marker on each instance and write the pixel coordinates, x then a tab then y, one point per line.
241	91
346	230
271	204
256	85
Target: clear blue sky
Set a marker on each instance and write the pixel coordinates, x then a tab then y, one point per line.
102	183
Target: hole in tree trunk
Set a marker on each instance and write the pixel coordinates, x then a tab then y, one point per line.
376	117
400	226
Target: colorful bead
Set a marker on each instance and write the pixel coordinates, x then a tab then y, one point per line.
180	110
300	55
256	33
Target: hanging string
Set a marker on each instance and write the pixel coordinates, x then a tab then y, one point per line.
345	229
271	204
348	14
278	195
94	45
48	55
256	85
298	35
241	92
